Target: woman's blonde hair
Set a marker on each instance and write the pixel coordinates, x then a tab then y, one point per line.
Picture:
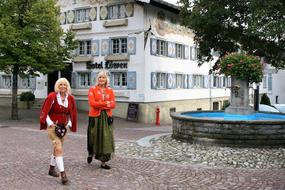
60	81
103	73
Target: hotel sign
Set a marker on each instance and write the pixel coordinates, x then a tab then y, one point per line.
107	65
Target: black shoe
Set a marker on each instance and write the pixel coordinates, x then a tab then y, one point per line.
105	167
89	159
52	172
64	179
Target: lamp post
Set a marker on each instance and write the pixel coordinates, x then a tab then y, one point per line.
256	98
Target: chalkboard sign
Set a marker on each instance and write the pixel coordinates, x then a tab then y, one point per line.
133	110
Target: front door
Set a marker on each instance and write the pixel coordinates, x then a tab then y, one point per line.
64	73
67	72
52	78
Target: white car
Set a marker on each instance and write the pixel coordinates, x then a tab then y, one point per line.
267	108
280	107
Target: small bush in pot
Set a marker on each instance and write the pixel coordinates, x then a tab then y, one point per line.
27	97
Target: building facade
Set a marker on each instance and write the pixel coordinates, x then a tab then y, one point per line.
151	59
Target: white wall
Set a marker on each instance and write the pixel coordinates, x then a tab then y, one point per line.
278	87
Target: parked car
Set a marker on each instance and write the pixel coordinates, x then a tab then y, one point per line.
267	108
280	107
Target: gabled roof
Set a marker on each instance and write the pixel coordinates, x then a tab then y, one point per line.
162	4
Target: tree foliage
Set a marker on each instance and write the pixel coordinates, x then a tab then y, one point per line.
31	37
31	40
254	26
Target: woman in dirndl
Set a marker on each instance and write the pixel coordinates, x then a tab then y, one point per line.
59	109
100	140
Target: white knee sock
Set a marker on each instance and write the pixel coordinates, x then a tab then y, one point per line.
59	163
52	160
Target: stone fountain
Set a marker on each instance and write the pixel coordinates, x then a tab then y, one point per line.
239	125
239	98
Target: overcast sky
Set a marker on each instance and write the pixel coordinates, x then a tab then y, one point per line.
172	1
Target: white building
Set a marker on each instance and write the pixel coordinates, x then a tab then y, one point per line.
151	59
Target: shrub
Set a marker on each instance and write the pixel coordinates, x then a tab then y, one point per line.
27	96
265	100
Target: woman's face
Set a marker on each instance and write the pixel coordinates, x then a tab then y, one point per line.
102	80
62	87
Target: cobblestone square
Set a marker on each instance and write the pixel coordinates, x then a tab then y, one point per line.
25	153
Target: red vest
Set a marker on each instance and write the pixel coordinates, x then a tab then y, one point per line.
58	113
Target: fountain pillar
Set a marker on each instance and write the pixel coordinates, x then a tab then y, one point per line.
239	102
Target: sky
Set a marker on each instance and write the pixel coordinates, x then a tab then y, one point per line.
172	1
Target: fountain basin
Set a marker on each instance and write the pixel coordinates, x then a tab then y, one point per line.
219	128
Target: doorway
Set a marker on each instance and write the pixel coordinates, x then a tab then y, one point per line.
64	73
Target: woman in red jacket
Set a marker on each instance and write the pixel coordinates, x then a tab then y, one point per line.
59	109
100	140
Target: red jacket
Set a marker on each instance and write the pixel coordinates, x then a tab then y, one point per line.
97	102
48	109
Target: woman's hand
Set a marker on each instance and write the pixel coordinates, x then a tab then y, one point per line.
108	103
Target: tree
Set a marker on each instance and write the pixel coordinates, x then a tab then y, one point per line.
31	40
225	26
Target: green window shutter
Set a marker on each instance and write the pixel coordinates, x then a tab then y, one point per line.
153	46
190	81
105	47
131	45
171	81
186	52
104	13
131	80
185	81
62	18
153	80
95	47
171	49
93	78
93	14
70	16
206	81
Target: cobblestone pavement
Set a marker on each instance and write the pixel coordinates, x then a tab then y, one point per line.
25	151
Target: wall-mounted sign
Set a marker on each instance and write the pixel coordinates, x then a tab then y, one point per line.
107	65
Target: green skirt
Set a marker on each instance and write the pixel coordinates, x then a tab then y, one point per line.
100	140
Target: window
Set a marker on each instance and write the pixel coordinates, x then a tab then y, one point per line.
216	82
119	45
7	81
161	80
117	11
269	81
119	79
179	81
224	82
84	80
161	47
25	82
193	53
198	81
215	105
82	15
180	51
264	81
85	47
